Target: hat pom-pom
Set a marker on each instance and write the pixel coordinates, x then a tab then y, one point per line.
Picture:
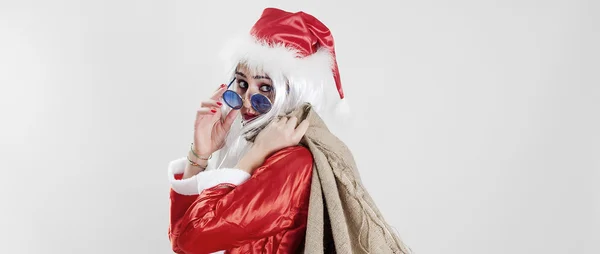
342	109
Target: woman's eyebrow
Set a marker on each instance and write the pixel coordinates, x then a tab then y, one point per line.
261	77
255	77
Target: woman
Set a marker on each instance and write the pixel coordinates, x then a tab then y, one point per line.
248	186
252	196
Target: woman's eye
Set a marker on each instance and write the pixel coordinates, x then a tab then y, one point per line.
266	88
242	84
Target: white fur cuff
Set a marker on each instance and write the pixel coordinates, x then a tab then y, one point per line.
184	186
203	180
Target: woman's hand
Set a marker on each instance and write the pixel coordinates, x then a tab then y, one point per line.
279	134
210	129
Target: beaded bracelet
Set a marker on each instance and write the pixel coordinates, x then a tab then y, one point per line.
198	156
194	163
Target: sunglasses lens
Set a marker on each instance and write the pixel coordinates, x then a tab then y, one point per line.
260	103
232	99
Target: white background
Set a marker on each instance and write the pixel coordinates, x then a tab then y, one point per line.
475	123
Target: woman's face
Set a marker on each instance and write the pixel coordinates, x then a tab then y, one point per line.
248	84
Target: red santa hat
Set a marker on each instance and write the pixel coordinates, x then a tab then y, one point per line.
297	45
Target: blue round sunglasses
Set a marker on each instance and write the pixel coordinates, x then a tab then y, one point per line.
259	102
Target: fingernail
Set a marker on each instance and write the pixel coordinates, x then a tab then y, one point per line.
219	103
213	110
223	85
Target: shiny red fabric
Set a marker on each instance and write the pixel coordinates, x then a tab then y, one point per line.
266	214
300	31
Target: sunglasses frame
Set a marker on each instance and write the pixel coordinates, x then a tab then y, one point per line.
252	100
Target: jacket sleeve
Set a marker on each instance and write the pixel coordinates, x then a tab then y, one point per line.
226	215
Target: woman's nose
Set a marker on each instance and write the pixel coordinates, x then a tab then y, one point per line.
246	100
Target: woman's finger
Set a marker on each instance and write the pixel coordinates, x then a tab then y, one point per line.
301	130
275	120
229	119
211	104
282	121
217	95
291	123
220	86
205	111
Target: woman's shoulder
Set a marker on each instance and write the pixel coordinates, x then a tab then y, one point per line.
292	152
289	168
293	156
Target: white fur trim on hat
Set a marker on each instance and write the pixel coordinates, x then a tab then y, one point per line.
279	59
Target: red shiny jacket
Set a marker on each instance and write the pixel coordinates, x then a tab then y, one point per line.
265	214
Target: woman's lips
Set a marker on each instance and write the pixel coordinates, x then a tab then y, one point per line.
248	117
